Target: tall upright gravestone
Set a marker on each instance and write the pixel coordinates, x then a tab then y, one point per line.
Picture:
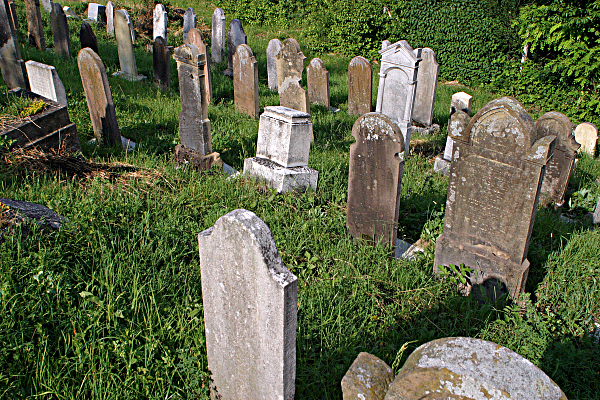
35	28
427	78
161	62
189	22
195	37
317	81
235	37
96	12
250	310
217	50
245	81
87	37
110	18
397	85
290	65
125	48
375	179
60	31
360	86
44	80
495	179
11	64
273	49
159	19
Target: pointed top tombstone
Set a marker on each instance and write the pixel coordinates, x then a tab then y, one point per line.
35	28
13	67
273	49
160	21
44	80
60	31
235	37
245	81
360	89
110	18
427	78
87	37
217	50
290	65
317	81
189	22
195	37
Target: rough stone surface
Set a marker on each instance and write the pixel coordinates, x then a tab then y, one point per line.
189	22
87	37
35	28
47	5
290	64
250	311
70	13
586	134
159	22
280	178
360	86
161	62
461	101
96	12
470	369
44	80
460	115
368	378
110	18
60	31
273	49
385	44
99	97
235	37
397	85
317	81
375	179
560	165
125	47
495	178
37	212
11	9
427	78
245	81
195	38
217	49
13	67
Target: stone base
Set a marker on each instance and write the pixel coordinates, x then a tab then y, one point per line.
441	166
129	77
280	178
198	161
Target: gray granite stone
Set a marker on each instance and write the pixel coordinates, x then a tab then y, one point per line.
235	37
44	80
360	86
245	81
317	82
60	31
217	49
110	18
273	49
189	22
125	47
427	78
36	212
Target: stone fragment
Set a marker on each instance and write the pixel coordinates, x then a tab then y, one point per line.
189	22
99	97
586	134
427	78
47	5
35	28
96	12
195	38
317	81
38	213
368	378
11	64
375	179
110	18
470	369
87	37
44	80
495	178
360	86
161	62
159	19
11	9
290	65
273	49
125	48
245	81
235	37
217	50
60	31
250	312
461	101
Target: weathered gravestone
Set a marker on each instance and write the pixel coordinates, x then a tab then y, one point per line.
70	13
317	82
60	31
194	125
35	28
368	378
44	80
159	19
375	179
245	81
273	49
96	12
290	64
427	78
189	22
99	97
586	134
87	37
11	9
125	48
161	62
195	37
560	165
47	5
250	310
110	18
397	85
495	178
217	50
235	37
282	150
11	64
360	89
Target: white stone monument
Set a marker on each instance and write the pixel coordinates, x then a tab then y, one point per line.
44	80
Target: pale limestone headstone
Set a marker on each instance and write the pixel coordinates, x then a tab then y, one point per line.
99	97
368	378
217	50
11	64
360	89
47	5
189	21
161	62
195	37
290	65
35	28
44	80
375	179
427	78
60	31
397	85
273	49
96	12
245	81
125	48
110	18
159	19
586	134
317	81
250	310
495	178
282	150
235	37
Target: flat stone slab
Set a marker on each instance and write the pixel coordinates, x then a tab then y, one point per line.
280	178
38	213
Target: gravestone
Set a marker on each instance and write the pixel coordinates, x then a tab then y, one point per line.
11	64
397	85
35	28
360	89
47	5
96	12
368	378
495	178
427	78
195	38
99	97
194	125
250	310
159	22
235	37
70	13
290	64
317	81
161	62
60	31
586	134
189	22
282	150
560	165
245	81
385	44
273	49
110	18
87	37
125	48
375	179
217	50
131	30
44	80
11	9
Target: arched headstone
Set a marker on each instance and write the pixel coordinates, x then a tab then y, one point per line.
159	19
272	50
317	82
245	81
235	37
360	86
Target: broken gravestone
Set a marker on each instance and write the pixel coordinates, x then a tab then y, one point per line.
195	37
245	81
38	213
273	49
360	83
44	80
368	378
290	65
317	82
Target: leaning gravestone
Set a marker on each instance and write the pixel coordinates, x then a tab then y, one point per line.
44	80
87	37
560	165
99	97
245	81
195	37
282	150
96	12
11	64
110	18
250	310
235	37
317	82
290	64
159	19
189	22
161	62
273	49
397	85
586	134
360	81
60	31
427	78
217	50
495	178
35	28
125	48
